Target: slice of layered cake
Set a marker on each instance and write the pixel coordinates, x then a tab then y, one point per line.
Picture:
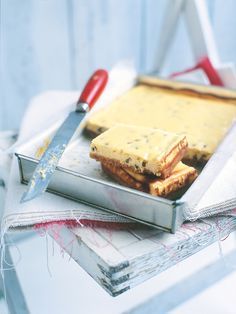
143	150
145	159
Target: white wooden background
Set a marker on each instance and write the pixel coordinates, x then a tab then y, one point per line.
55	44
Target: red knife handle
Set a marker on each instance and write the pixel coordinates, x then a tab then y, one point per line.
93	88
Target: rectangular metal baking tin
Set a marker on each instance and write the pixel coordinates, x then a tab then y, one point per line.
141	207
157	212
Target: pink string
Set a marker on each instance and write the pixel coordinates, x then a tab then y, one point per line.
72	223
55	227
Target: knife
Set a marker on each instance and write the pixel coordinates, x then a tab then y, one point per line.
47	164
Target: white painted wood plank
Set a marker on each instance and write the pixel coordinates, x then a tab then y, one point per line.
18	67
172	248
118	239
70	288
200	31
50	31
104	34
169	24
224	26
34	54
14	294
179	55
144	232
102	248
186	289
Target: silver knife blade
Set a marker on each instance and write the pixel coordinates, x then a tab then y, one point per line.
46	166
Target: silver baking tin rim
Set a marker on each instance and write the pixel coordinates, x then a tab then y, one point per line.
153	211
160	213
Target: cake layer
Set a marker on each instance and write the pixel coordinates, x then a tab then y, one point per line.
143	178
121	176
143	150
204	121
181	176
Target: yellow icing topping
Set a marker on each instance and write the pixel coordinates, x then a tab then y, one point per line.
204	121
144	148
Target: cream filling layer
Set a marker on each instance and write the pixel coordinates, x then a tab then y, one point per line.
143	149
